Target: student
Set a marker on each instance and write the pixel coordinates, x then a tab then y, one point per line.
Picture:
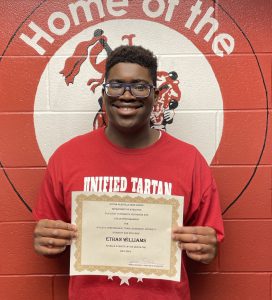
128	147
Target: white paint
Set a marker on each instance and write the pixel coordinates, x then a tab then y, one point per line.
35	39
153	14
170	10
226	42
66	23
207	19
195	11
113	4
73	107
85	6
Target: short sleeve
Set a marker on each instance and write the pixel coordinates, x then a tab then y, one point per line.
50	202
209	212
205	207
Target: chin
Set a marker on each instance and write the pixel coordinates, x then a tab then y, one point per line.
128	126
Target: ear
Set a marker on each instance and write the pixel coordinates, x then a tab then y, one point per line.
103	94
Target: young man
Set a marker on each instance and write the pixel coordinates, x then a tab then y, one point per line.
129	148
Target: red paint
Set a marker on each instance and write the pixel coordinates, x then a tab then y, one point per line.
230	286
247	247
17	257
239	147
21	150
255	202
26	287
28	182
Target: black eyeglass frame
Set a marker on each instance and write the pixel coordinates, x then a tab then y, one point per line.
127	87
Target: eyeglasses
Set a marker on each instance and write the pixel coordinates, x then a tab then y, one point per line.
138	90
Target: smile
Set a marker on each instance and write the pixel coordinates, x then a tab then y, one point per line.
124	107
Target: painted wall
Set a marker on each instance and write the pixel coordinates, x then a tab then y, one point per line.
221	52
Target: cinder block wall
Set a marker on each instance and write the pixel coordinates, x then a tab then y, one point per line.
242	163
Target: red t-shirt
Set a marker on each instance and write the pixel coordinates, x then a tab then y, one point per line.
169	166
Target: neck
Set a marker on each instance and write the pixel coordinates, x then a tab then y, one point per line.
136	139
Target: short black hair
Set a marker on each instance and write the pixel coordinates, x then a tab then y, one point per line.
136	55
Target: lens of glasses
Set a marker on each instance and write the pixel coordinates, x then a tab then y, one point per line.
136	89
140	90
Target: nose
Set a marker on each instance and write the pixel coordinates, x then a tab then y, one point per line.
127	93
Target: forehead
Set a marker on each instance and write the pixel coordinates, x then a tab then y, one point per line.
129	72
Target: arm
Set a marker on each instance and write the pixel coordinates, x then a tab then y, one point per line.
53	231
203	224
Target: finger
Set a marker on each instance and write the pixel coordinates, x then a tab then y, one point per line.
54	233
195	238
200	230
52	243
185	238
43	250
200	248
200	257
58	224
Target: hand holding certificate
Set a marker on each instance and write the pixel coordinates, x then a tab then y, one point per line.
126	235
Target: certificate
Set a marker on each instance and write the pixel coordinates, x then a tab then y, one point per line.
126	234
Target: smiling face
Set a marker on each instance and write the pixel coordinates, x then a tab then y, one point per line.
126	113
